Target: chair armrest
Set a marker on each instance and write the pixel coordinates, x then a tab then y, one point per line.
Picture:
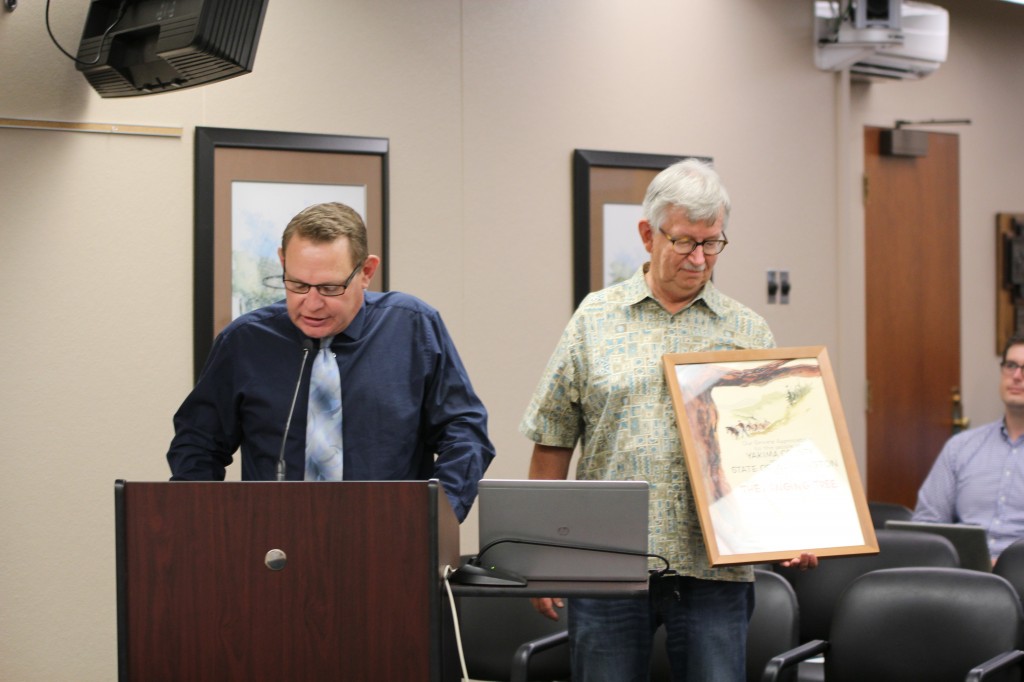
790	658
998	662
521	659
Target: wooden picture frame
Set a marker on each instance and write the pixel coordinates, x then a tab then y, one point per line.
608	189
1009	275
279	173
771	463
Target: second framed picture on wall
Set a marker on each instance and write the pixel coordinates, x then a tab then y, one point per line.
608	191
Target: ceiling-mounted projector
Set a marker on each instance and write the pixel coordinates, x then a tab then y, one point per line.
897	41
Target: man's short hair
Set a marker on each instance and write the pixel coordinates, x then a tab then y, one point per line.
1014	340
691	185
324	223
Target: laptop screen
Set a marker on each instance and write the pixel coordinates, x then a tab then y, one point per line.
565	530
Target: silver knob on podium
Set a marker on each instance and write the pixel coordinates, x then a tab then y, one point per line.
276	560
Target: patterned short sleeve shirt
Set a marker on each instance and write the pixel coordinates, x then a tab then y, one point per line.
605	387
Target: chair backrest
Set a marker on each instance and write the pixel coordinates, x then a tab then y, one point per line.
775	623
492	630
884	511
921	623
1010	565
818	590
774	627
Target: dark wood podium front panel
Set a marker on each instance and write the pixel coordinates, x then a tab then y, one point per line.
358	598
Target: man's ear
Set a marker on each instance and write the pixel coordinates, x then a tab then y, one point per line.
646	234
370	266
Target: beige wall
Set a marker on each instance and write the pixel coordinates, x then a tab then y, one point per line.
483	102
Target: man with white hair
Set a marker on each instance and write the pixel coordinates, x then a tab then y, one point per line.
604	387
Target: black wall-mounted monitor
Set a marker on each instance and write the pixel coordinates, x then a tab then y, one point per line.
144	47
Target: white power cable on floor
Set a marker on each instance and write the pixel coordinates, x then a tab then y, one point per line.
448	570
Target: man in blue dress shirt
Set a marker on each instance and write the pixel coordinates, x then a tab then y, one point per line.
409	411
978	478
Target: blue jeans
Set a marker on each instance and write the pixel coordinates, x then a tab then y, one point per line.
705	623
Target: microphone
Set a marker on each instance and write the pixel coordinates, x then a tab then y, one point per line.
307	345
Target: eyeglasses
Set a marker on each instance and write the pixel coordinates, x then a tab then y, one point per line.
684	246
1010	367
297	287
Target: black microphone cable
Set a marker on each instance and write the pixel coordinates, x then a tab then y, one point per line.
307	346
476	560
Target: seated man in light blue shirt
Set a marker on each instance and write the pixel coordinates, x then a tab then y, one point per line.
978	478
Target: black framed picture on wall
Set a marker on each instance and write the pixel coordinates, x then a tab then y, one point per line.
248	185
608	190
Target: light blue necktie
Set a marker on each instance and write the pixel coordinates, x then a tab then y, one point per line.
323	423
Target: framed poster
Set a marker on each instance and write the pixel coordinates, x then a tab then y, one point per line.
1009	277
770	459
608	191
248	185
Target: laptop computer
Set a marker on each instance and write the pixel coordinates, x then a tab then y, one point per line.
565	530
971	542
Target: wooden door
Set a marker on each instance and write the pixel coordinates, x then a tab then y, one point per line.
912	252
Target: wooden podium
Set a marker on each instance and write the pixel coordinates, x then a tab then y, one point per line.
284	581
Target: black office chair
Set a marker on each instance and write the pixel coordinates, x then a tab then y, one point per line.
495	629
934	624
775	623
884	511
1010	565
817	590
774	628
